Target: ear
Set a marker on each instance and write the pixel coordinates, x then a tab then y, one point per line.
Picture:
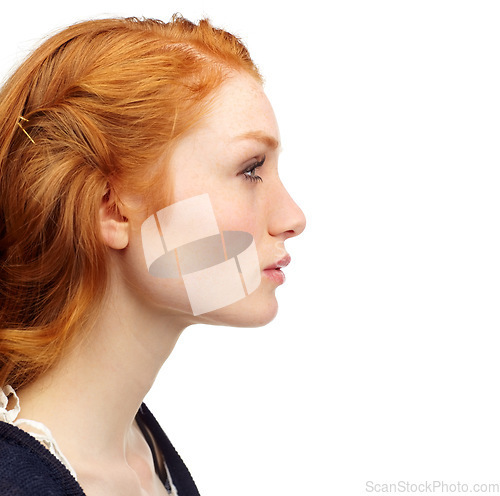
114	226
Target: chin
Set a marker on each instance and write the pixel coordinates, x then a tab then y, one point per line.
255	310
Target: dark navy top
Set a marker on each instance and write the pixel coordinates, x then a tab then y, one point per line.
27	468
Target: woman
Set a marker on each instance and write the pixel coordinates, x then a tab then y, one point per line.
139	194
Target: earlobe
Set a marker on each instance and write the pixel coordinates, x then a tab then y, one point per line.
114	226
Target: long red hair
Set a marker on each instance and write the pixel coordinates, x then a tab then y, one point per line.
93	107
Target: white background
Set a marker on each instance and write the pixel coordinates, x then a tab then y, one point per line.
383	363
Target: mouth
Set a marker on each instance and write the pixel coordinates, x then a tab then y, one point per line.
280	263
273	271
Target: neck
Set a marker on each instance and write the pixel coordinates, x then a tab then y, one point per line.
89	399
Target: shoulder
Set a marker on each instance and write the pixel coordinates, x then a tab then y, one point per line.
28	468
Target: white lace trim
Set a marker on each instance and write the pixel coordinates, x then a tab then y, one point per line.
8	415
37	430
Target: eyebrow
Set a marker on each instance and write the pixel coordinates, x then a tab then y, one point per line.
261	137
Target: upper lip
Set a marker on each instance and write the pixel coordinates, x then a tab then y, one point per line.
280	263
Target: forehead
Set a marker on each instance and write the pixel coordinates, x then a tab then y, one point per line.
240	107
239	126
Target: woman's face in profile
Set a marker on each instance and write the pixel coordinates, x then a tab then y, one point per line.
230	162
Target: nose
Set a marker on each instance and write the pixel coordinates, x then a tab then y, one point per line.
285	216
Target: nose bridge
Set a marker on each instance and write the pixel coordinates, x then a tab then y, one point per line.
285	216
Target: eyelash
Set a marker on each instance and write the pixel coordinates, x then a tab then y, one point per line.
252	169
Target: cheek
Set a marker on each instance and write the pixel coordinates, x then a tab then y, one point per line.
157	294
239	221
239	213
207	248
248	216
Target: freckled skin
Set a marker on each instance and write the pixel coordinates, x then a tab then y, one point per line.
213	159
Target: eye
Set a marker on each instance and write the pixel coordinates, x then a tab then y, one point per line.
249	172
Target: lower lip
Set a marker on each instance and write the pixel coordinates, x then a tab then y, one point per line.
275	275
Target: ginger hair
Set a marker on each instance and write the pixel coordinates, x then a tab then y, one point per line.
102	101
